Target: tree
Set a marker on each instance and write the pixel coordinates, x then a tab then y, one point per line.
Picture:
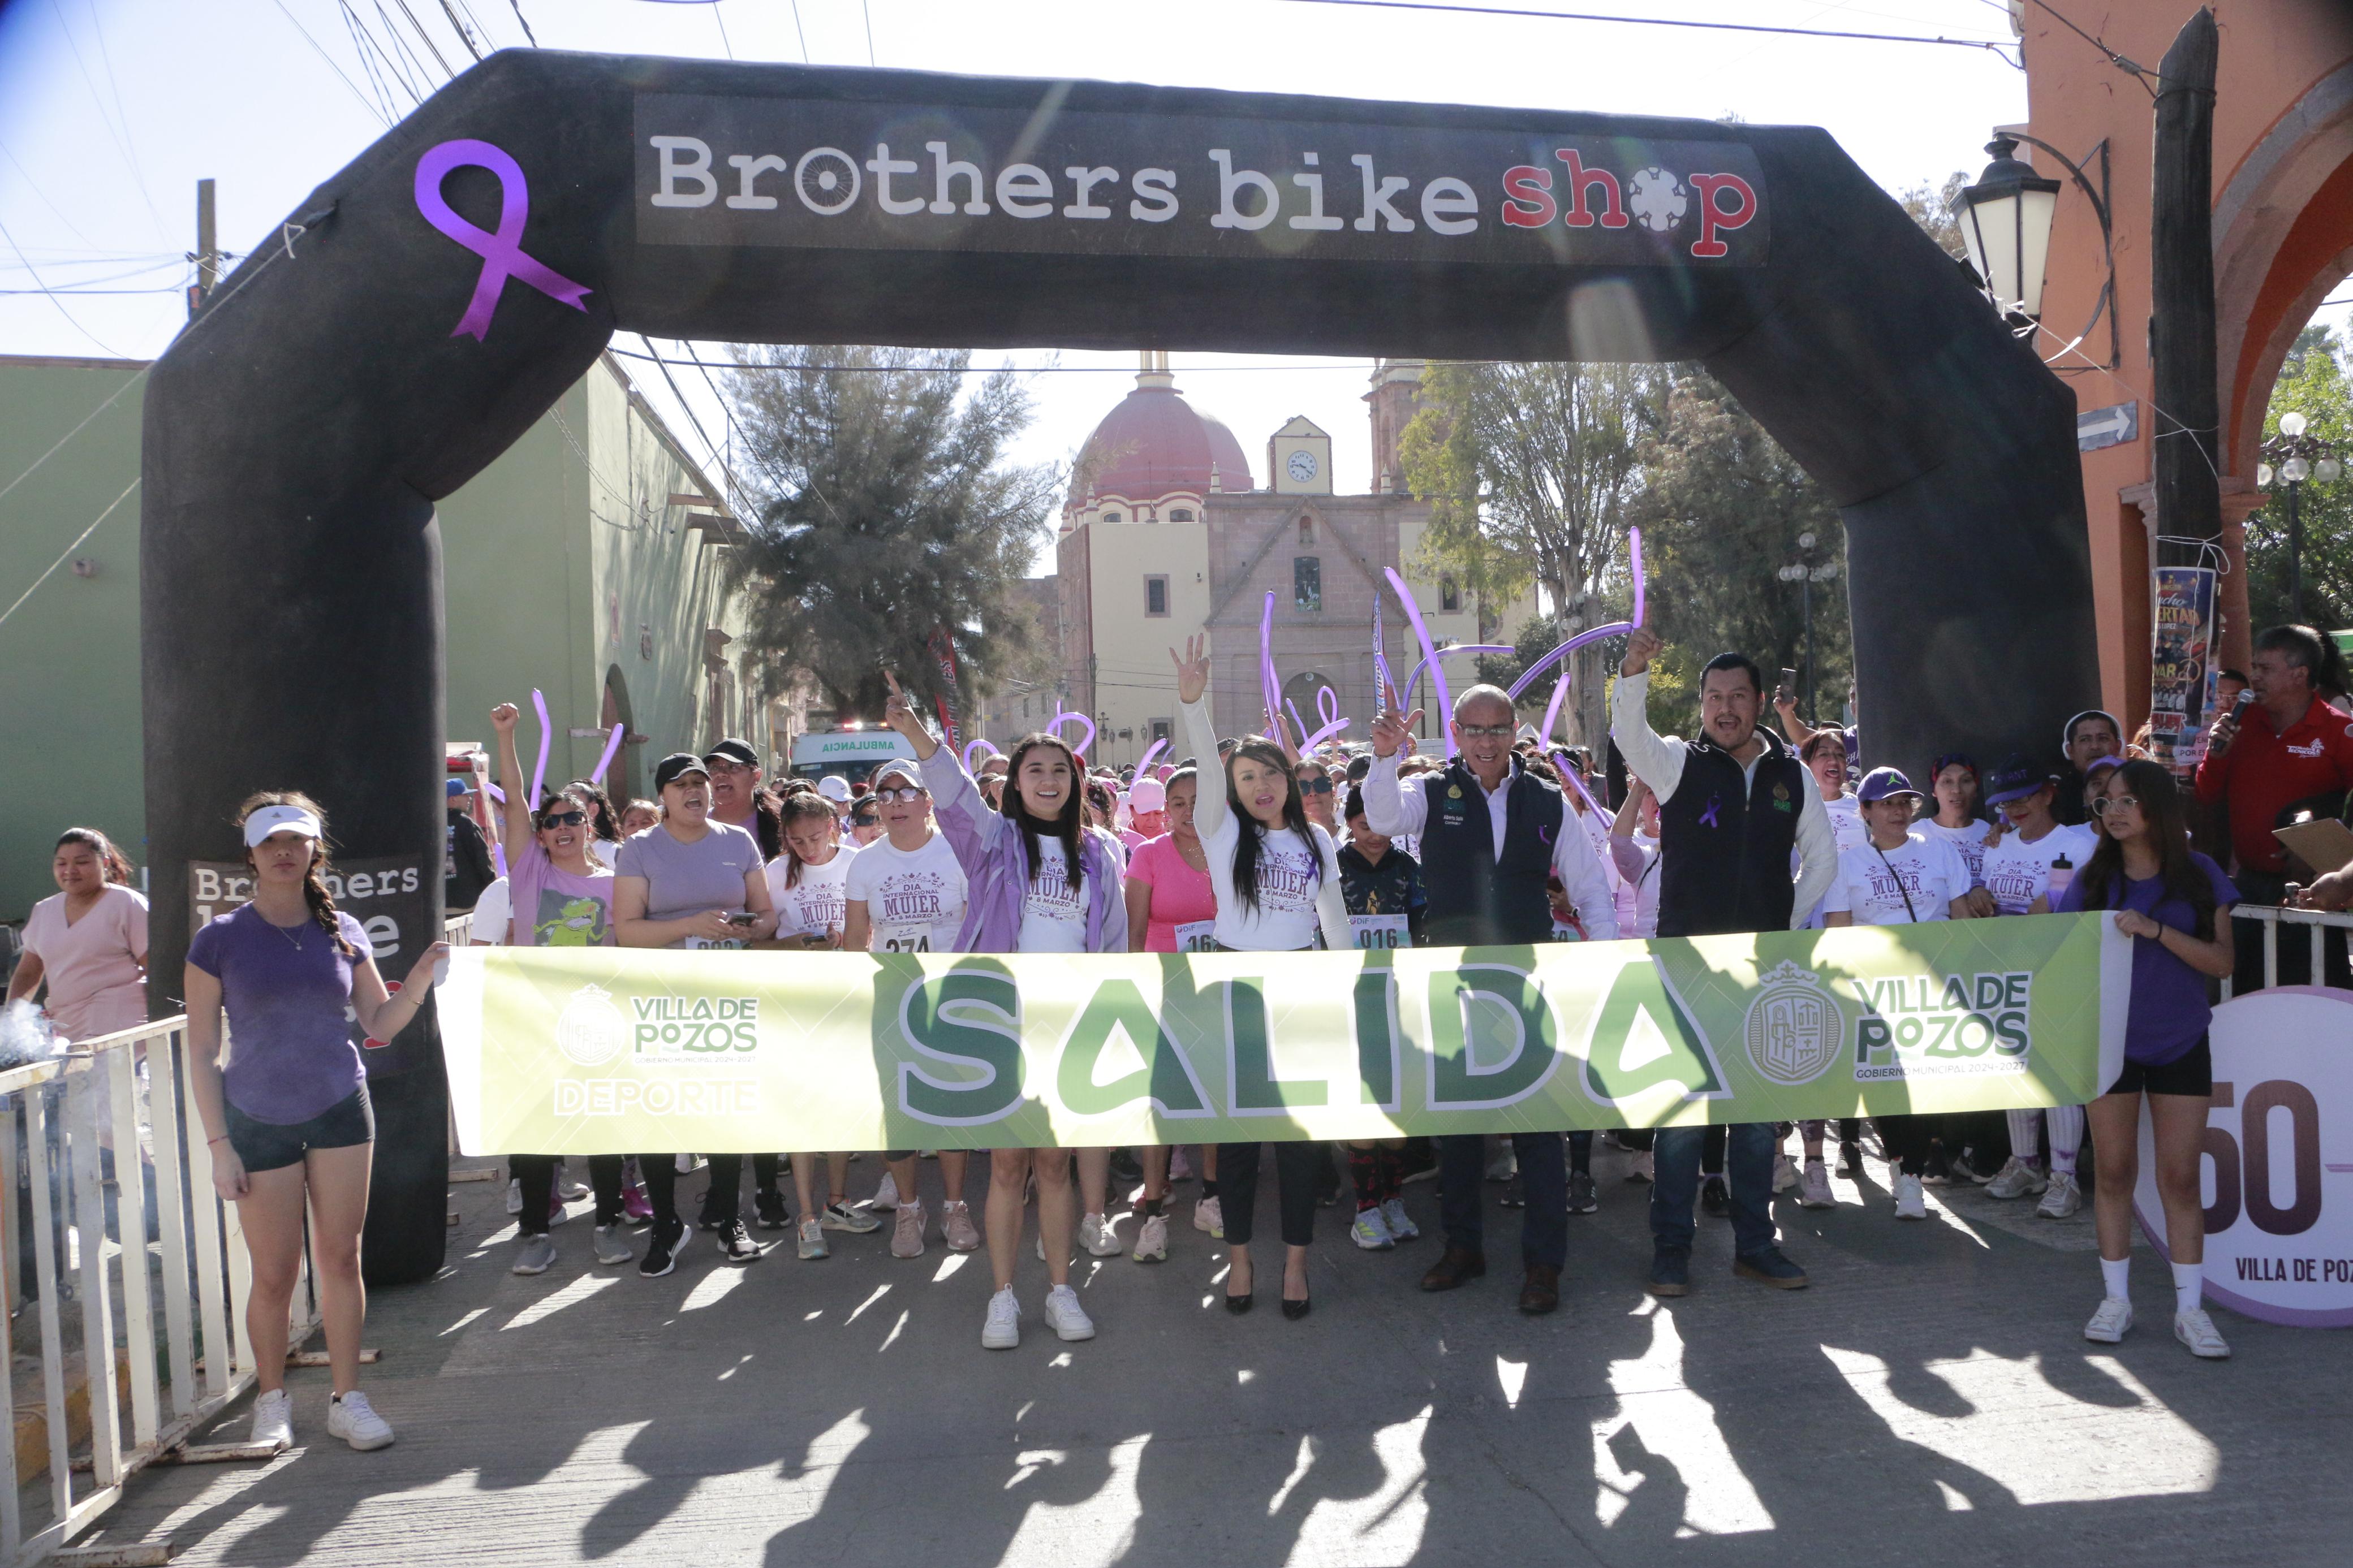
887	511
2312	381
1527	468
1931	207
1721	509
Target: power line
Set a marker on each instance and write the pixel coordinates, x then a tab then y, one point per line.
1993	46
317	49
43	287
69	550
527	32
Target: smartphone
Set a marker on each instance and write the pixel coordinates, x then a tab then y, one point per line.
743	919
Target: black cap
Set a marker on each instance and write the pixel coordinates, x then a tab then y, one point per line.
734	751
667	771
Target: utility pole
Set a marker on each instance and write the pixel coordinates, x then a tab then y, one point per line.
207	255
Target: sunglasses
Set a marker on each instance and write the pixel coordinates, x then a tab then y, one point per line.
1316	786
1488	732
2100	804
562	818
899	795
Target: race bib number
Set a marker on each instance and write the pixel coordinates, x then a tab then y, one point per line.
704	944
1380	931
904	939
1197	936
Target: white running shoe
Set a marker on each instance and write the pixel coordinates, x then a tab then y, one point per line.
907	1235
841	1217
515	1197
568	1186
535	1255
2196	1330
2017	1179
1641	1167
1066	1317
273	1418
2063	1198
1401	1226
1181	1164
354	1420
1002	1331
1152	1240
1911	1198
1210	1216
812	1244
1371	1230
1785	1173
886	1197
1814	1190
1100	1236
2113	1322
612	1246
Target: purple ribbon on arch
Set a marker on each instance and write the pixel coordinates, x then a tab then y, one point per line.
502	252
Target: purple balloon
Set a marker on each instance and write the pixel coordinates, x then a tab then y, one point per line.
547	733
612	748
1054	727
969	763
1429	650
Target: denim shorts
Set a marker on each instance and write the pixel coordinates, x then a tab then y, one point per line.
273	1146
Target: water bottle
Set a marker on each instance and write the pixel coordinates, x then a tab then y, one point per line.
2063	872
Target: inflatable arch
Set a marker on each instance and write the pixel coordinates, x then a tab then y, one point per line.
432	300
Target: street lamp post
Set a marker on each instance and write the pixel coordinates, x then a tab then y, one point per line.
1806	574
2296	456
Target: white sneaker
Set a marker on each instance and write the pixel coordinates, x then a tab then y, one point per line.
1181	1164
1152	1240
2113	1321
1785	1173
1911	1198
273	1419
570	1187
1505	1165
1210	1216
1814	1191
1401	1226
1002	1331
857	1222
2016	1180
2062	1197
811	1244
1067	1318
886	1197
612	1246
1371	1230
1100	1236
354	1420
515	1197
2196	1330
1641	1167
907	1235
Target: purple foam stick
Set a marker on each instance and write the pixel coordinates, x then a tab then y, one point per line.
1452	648
612	750
1151	751
1560	761
499	857
1380	658
1054	727
1429	650
1614	630
496	792
547	733
1552	713
1270	684
1327	708
970	763
1634	549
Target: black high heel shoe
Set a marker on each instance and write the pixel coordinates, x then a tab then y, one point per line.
1238	1305
1297	1309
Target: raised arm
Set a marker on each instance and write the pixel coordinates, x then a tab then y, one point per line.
516	811
1646	753
1192	684
1390	809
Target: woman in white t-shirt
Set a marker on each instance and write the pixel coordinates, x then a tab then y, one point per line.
904	893
87	941
1824	755
808	886
1898	876
1277	881
1956	822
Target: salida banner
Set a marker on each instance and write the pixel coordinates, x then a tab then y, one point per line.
610	1051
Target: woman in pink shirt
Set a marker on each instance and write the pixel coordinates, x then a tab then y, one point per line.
89	942
1170	909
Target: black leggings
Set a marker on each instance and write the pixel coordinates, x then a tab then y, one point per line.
1295	1169
1710	1154
537	1174
1908	1138
660	1174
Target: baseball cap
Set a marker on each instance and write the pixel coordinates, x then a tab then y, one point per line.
677	764
734	751
1884	784
1147	793
834	787
2099	763
900	770
2015	780
272	819
454	788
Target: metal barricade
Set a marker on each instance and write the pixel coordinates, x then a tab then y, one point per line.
2317	924
127	1230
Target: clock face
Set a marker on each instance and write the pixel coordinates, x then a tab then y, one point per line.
1302	466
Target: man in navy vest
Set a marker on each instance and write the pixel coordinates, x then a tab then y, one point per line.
1733	804
1492	834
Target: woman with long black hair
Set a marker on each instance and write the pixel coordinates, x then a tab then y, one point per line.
1038	879
2172	901
1277	881
289	1121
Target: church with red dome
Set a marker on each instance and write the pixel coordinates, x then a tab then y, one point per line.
1170	531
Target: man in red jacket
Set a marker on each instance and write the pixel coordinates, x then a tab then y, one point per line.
2294	753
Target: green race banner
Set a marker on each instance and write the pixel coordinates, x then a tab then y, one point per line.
602	1050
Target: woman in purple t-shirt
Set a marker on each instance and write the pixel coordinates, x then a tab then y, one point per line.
288	1122
2170	901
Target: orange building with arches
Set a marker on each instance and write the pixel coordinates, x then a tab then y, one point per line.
2283	234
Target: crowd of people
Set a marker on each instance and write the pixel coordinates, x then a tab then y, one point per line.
1247	845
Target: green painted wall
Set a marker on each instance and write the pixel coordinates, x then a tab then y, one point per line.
553	558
